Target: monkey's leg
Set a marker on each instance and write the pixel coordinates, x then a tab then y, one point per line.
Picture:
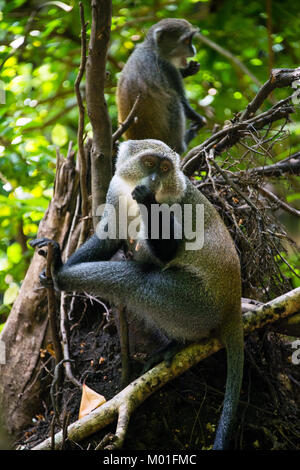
163	298
198	122
176	302
167	298
95	249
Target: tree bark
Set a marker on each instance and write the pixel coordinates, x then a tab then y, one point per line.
26	331
101	167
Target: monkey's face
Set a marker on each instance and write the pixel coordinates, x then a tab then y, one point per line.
148	169
182	50
153	164
173	39
156	169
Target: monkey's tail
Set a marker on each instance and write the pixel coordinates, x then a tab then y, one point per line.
234	344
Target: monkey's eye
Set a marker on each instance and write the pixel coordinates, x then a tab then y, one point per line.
165	166
187	41
149	162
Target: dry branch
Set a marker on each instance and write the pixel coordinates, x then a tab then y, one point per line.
232	58
247	123
268	194
52	310
128	121
124	403
290	165
279	78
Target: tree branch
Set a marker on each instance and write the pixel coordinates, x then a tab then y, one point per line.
230	135
289	165
52	310
124	403
232	58
279	78
247	122
128	121
101	166
268	194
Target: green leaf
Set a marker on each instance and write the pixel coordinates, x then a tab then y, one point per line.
14	253
10	294
59	135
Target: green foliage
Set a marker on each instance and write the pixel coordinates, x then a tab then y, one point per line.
39	59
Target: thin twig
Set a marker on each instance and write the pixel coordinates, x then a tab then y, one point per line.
231	57
65	342
52	309
52	433
81	152
127	123
282	204
66	419
233	185
124	341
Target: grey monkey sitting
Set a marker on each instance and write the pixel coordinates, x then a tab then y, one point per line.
186	293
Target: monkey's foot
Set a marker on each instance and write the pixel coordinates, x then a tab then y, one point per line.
45	280
41	242
165	354
56	257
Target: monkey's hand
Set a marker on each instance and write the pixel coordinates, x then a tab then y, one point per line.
194	128
191	69
45	280
56	262
143	195
197	124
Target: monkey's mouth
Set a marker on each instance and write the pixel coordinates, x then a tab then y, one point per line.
184	62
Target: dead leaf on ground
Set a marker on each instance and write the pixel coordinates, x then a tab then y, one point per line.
89	401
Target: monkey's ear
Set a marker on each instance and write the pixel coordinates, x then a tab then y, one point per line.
128	149
158	34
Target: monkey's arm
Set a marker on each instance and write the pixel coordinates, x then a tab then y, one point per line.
192	114
94	249
164	249
198	121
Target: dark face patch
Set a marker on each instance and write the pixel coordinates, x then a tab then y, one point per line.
174	39
156	164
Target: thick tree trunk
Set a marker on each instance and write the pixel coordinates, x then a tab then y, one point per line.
26	330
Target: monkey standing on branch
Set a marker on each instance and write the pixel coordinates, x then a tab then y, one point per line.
187	292
154	71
